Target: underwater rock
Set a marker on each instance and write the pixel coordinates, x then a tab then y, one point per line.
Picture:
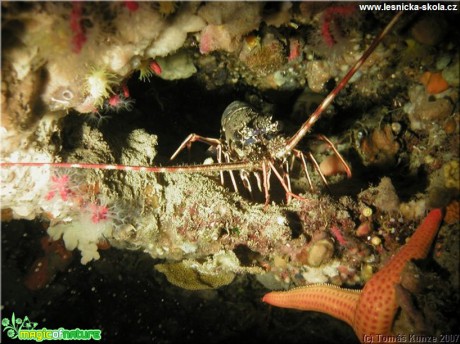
423	110
227	23
176	66
386	200
318	72
320	253
452	73
429	30
332	166
380	147
186	277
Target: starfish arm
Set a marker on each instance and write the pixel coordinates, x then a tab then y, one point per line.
326	298
377	306
418	245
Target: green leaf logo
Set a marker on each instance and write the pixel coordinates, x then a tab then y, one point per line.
13	326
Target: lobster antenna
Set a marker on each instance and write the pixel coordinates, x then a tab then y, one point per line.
228	166
304	129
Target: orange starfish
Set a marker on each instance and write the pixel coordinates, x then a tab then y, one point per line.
369	311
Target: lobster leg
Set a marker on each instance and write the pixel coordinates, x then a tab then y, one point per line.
266	182
342	160
287	180
212	142
219	160
232	176
194	138
316	166
244	175
258	180
298	154
283	184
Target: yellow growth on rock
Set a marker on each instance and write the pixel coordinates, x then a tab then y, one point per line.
451	174
188	278
166	8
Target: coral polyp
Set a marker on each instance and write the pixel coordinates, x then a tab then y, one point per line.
147	69
98	84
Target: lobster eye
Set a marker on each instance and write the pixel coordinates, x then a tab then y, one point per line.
361	134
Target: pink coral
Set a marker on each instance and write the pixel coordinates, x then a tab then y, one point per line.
98	212
59	184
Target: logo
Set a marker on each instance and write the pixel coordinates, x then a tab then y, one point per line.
24	329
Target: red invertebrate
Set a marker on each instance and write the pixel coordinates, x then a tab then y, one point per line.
118	102
60	184
131	5
338	235
294	49
79	37
155	67
330	15
98	212
125	90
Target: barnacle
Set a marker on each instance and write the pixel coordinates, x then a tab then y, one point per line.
98	84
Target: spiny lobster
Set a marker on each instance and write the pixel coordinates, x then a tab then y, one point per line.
251	142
